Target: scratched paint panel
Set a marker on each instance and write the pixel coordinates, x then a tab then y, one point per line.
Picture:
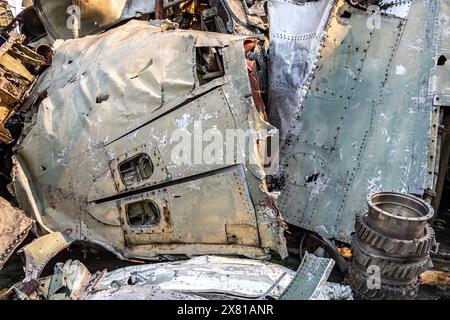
107	90
329	100
334	80
290	73
382	141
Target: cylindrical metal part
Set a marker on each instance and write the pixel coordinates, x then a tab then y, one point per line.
398	215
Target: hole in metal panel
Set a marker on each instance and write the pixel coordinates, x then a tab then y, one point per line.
346	15
441	60
137	169
312	177
209	64
143	213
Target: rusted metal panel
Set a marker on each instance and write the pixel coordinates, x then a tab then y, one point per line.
14	228
6	16
101	166
39	252
17	63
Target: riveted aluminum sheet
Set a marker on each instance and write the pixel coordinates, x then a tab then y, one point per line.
365	121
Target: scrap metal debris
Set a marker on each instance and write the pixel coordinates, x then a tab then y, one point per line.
197	278
435	278
125	145
391	246
39	252
206	277
18	67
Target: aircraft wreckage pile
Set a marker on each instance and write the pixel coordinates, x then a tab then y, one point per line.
118	131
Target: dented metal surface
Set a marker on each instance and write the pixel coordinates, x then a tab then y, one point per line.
67	282
14	227
94	165
362	127
39	252
205	276
294	51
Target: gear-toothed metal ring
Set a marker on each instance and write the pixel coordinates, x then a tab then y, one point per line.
396	268
394	247
359	284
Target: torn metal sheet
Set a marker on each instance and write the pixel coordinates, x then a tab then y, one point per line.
398	8
236	17
104	166
361	127
204	276
294	50
66	19
39	252
67	282
14	228
310	277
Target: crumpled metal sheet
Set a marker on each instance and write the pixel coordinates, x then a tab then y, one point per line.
294	51
205	276
66	165
333	291
14	228
361	127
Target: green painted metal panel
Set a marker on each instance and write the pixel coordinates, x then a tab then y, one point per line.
365	121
